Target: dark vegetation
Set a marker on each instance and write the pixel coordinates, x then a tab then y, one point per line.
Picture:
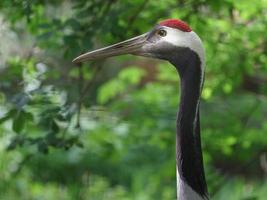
106	130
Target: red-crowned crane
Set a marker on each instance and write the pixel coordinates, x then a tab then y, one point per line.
174	41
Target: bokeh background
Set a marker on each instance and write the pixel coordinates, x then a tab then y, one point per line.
106	130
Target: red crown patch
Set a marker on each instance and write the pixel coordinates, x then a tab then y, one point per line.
175	23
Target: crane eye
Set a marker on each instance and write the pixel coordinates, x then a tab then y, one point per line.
162	33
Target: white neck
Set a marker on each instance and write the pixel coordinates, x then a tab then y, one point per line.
184	191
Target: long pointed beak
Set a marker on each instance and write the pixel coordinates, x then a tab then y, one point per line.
130	46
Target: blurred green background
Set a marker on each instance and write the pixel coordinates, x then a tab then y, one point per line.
106	130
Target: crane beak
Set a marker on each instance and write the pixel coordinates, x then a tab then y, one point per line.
131	46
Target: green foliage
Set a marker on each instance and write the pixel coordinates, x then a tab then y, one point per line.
106	130
126	78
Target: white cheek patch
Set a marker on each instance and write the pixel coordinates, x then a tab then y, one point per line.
186	39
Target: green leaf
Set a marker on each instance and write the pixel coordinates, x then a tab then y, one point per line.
54	127
73	23
19	121
8	115
42	147
132	75
109	90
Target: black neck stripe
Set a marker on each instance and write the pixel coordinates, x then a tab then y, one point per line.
189	153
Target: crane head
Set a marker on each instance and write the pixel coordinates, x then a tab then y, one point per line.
167	40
